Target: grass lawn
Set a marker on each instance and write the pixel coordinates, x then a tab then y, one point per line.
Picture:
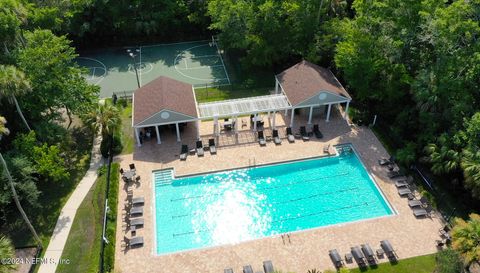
127	130
229	92
420	264
83	243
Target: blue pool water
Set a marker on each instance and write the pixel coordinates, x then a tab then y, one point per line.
244	204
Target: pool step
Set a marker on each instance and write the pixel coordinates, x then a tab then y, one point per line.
164	177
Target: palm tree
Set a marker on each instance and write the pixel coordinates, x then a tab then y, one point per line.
466	238
6	251
105	117
13	82
4	131
444	160
471	170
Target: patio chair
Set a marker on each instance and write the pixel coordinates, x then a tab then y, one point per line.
393	174
134	242
404	191
336	258
290	136
268	267
138	201
303	132
389	251
276	138
200	151
420	212
247	269
368	251
358	256
212	147
136	211
228	270
132	167
261	139
122	171
317	132
184	152
385	162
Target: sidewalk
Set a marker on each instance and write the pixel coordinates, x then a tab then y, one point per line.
65	220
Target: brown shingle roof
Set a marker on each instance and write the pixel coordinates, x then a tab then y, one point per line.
163	93
304	80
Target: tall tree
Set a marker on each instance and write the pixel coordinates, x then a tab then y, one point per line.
12	187
13	83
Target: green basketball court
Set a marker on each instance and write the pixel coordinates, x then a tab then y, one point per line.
198	63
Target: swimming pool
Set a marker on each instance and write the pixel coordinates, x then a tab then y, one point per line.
243	204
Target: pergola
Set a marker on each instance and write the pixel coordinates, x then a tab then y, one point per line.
308	85
166	101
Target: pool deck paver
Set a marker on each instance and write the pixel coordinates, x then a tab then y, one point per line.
307	249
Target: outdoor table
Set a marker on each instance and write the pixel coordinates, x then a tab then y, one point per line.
129	174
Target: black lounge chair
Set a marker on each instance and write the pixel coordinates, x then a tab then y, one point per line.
136	222
136	211
358	256
247	269
228	270
212	147
184	152
393	174
290	136
389	251
303	132
134	242
368	251
317	132
336	258
261	139
268	267
385	162
200	151
420	212
276	138
404	192
138	201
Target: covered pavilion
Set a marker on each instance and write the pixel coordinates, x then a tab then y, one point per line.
166	101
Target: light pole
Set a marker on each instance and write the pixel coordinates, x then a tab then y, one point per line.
131	54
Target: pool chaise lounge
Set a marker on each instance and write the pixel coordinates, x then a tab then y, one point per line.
394	174
336	258
317	132
303	133
276	138
358	256
290	136
136	211
261	139
212	147
389	251
420	212
247	269
133	242
184	152
404	191
268	267
138	201
384	161
200	151
368	251
136	222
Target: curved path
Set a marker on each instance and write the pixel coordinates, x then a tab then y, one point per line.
67	215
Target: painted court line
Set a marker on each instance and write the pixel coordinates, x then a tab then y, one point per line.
200	67
221	59
179	43
204	56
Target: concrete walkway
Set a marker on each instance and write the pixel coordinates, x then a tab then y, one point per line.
65	220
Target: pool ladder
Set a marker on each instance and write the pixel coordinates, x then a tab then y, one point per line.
164	177
286	238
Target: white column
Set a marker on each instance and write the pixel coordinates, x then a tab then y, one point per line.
255	122
273	120
310	115
291	116
269	121
286	112
328	112
215	126
197	124
137	136
345	115
178	132
276	86
235	126
159	141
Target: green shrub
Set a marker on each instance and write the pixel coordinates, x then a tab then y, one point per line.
407	154
116	148
448	261
109	251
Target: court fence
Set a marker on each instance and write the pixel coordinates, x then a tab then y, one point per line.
125	94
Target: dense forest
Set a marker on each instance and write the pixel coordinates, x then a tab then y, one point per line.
415	64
